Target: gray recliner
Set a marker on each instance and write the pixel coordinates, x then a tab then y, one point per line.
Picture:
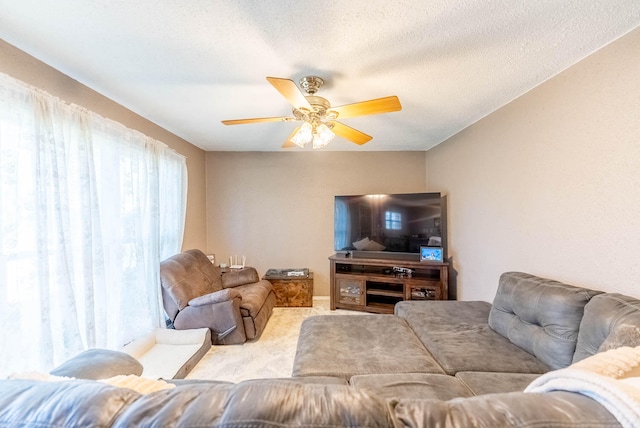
235	306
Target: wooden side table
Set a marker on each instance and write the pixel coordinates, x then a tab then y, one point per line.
291	291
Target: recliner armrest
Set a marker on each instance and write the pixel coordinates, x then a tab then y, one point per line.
218	311
215	297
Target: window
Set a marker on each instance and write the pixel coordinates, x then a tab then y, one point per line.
392	220
88	208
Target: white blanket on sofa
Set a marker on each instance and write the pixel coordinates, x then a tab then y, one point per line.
611	378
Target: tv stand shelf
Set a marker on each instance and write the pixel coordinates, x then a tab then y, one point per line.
371	285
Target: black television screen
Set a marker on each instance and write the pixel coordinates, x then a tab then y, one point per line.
399	223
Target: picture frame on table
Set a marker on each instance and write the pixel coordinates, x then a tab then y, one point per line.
431	254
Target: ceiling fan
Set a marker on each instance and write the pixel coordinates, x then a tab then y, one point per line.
319	119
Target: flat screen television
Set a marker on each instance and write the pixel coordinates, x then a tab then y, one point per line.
398	224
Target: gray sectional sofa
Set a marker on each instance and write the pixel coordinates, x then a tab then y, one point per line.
431	364
280	403
450	349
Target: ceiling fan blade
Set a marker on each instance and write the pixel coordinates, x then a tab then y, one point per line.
351	134
377	106
256	120
288	144
290	91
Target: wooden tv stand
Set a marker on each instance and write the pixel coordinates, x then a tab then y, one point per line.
369	284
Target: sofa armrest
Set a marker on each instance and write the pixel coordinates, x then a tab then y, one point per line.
215	297
235	278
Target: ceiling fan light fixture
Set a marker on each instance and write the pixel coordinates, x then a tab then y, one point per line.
304	135
322	136
318	117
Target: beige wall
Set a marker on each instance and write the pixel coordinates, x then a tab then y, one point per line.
277	207
22	66
550	184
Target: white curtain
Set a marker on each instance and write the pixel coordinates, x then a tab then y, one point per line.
88	209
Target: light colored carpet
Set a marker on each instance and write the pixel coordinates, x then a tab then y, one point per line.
270	356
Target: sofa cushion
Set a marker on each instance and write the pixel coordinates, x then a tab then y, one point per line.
277	403
186	405
458	336
441	314
235	277
412	385
514	409
99	364
188	275
346	345
541	316
481	383
76	403
478	348
253	295
602	316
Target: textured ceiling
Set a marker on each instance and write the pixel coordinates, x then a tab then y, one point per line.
187	65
